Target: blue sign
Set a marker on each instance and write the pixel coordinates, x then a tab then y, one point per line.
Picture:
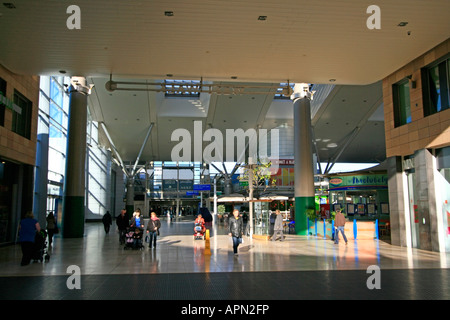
192	193
202	187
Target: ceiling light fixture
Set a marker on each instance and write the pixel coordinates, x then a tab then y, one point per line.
168	13
332	80
262	18
402	24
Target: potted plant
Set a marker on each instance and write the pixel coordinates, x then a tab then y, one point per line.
311	214
220	211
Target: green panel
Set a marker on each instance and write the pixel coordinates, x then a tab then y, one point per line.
73	217
301	205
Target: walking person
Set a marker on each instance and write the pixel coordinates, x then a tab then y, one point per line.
137	221
236	230
122	225
153	227
107	221
27	232
339	223
51	227
278	227
272	218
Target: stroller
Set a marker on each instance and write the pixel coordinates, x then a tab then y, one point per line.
133	238
199	231
40	247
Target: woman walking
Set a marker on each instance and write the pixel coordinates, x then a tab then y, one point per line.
153	229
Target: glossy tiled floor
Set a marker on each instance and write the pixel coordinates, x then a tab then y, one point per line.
182	268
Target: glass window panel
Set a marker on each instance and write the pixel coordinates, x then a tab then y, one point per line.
56	92
57	163
22	119
45	85
55	112
436	88
402	106
43	103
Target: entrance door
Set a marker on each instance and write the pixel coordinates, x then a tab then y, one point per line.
413	218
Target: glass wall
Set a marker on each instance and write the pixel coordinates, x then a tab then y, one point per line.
52	136
53	119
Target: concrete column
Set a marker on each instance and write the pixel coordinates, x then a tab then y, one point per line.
426	200
398	203
74	183
303	163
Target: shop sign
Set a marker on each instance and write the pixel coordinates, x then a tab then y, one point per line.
170	185
363	181
202	187
186	185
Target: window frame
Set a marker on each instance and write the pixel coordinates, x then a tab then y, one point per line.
21	123
3	87
443	65
401	119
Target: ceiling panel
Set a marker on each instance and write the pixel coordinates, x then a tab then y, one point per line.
300	41
223	41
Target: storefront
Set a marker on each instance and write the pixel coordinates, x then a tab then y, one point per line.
428	191
365	196
16	190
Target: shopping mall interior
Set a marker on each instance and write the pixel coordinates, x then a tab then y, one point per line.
181	108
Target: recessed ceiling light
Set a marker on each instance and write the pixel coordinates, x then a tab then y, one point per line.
168	13
9	5
402	24
262	18
62	71
332	80
332	145
234	77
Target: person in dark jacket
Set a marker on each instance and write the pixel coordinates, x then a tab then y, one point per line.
122	225
236	230
107	221
153	227
27	232
51	227
272	218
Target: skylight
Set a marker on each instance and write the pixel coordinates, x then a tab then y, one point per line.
182	88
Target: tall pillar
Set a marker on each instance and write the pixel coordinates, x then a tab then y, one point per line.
74	184
303	163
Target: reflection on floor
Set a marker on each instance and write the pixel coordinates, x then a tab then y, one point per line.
178	256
